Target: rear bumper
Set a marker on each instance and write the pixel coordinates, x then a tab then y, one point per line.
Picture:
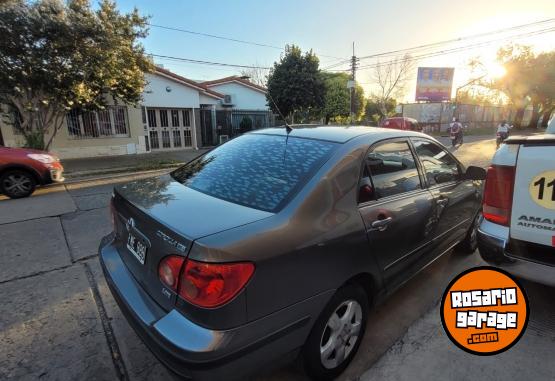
492	245
195	352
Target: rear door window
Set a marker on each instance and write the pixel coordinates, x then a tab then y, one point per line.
256	170
439	166
392	168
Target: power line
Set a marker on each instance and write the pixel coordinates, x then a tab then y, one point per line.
209	63
460	49
229	39
445	42
456	49
460	38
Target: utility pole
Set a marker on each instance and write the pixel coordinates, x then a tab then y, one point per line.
351	83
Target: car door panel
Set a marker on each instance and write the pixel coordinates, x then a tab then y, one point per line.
402	242
456	199
399	220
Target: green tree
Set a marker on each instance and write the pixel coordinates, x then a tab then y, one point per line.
337	98
515	84
542	93
375	106
295	85
245	125
55	56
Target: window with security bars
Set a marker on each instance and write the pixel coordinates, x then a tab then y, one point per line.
175	118
164	118
186	118
152	118
110	122
166	143
177	138
154	143
187	139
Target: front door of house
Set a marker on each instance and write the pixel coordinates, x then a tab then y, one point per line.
169	128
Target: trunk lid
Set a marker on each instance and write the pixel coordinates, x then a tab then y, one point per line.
533	209
167	217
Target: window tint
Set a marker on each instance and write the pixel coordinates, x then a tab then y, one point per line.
439	166
255	170
393	169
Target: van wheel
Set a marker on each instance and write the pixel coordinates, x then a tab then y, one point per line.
337	334
470	242
17	183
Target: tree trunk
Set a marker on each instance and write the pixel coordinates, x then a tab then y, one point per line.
535	116
57	122
545	116
518	117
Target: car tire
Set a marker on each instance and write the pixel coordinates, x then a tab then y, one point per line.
470	242
338	331
17	183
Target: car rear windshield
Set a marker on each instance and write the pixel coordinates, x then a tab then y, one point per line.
256	170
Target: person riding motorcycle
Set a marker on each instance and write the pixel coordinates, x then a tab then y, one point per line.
456	130
502	132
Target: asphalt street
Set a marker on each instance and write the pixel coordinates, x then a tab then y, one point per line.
59	321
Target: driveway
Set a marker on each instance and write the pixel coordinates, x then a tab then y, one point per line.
59	320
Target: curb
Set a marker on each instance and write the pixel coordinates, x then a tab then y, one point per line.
120	175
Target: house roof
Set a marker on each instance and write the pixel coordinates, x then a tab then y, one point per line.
188	82
236	79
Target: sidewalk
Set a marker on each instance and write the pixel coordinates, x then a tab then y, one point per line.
102	165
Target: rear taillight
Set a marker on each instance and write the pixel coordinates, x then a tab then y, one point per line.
498	194
206	285
213	284
169	269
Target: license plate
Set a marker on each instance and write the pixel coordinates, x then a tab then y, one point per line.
137	247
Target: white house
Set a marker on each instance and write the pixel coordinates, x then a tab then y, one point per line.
241	94
175	113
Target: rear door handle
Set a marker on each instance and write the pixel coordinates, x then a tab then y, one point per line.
381	225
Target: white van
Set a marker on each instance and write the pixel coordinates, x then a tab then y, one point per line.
517	231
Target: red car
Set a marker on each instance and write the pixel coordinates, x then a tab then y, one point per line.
22	169
401	123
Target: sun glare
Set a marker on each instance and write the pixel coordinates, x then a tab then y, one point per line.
495	70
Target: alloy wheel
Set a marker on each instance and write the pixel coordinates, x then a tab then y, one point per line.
340	334
17	184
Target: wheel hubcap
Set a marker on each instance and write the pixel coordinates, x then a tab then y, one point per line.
17	184
340	334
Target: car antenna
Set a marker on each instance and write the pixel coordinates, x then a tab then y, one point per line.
287	126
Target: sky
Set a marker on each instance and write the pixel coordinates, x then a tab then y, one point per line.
330	28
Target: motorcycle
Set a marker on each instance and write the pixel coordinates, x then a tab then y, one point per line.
456	137
500	138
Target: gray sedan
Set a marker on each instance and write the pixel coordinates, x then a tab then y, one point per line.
279	242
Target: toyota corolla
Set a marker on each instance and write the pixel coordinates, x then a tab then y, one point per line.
279	242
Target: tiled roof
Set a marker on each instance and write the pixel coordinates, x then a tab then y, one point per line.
187	81
234	78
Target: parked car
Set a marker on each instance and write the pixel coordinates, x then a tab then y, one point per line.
22	169
518	230
401	123
278	243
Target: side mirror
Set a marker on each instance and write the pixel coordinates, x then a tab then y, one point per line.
365	193
475	173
